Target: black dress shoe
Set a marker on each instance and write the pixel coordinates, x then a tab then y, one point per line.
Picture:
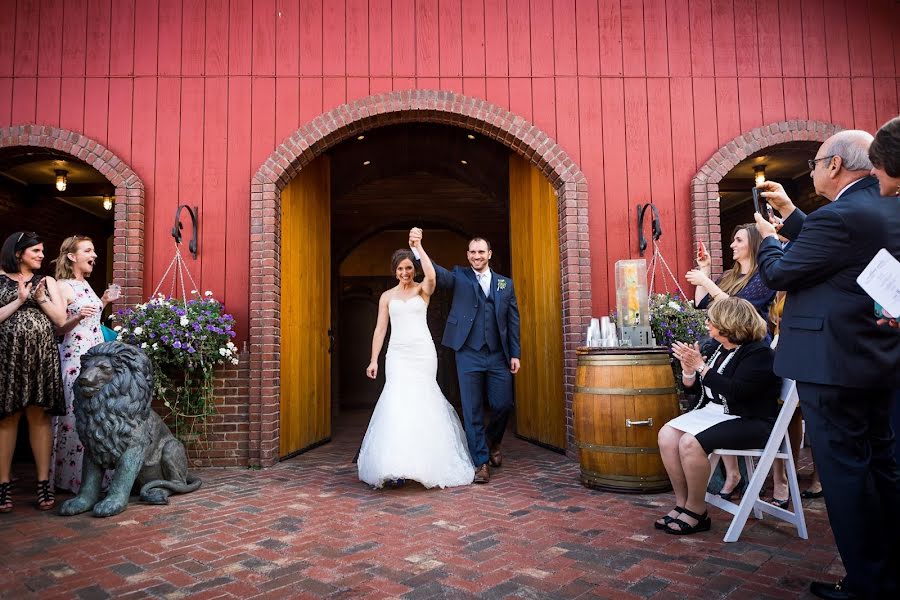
831	591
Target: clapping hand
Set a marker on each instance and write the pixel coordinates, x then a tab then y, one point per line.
689	356
697	277
40	291
24	291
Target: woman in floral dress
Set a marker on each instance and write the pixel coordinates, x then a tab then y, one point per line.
82	332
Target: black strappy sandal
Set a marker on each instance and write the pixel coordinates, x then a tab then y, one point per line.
6	504
662	522
45	497
704	523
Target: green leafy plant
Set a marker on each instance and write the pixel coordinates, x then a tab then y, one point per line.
186	341
672	318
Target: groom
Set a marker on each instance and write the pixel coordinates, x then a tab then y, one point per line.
483	329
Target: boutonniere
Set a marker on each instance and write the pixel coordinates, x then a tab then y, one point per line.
501	284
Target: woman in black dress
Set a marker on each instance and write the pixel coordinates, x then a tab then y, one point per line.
737	407
30	380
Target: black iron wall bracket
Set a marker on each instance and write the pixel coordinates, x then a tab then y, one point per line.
195	220
656	227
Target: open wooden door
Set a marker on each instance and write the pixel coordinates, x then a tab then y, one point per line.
534	242
306	309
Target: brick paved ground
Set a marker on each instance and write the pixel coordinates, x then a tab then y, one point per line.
308	528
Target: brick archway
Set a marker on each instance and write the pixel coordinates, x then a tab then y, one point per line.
705	216
128	231
331	128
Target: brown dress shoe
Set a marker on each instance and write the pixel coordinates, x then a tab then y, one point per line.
483	474
496	458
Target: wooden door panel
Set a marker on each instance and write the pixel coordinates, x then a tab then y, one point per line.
305	309
534	243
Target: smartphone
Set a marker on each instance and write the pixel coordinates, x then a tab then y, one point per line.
701	250
756	201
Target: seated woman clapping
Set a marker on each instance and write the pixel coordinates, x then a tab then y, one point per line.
737	407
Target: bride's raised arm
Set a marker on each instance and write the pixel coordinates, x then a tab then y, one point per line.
430	281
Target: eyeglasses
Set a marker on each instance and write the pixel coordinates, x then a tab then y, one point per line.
812	162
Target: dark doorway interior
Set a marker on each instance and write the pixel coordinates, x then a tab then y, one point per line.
784	163
451	182
31	201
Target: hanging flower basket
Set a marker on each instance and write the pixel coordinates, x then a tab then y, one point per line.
185	340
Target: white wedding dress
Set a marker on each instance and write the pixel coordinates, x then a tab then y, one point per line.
414	433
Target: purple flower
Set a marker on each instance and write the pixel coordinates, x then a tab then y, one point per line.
176	344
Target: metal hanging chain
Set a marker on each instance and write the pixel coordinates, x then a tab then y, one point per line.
654	265
177	277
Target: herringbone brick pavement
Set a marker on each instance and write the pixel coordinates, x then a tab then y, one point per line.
308	528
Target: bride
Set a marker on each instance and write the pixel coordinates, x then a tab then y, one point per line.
414	432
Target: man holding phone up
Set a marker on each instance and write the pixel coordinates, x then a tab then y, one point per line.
845	365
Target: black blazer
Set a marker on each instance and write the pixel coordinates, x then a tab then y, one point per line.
828	333
747	383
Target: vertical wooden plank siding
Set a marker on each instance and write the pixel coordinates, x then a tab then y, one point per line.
534	242
195	94
305	308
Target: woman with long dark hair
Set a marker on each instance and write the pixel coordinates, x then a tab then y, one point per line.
30	382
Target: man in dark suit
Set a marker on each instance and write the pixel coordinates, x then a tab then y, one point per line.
844	363
483	329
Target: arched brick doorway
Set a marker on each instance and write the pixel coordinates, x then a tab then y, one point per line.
705	184
347	120
128	234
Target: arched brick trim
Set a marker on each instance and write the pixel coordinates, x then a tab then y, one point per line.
128	232
705	217
348	120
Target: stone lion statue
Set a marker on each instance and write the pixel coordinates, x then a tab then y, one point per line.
120	431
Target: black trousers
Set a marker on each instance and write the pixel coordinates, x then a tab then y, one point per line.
853	448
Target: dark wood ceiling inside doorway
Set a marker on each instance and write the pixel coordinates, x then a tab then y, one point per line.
430	175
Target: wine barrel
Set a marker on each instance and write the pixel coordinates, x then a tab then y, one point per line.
623	396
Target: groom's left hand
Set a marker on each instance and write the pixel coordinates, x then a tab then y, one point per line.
514	365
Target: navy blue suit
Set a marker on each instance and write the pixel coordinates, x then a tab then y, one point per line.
845	366
484	333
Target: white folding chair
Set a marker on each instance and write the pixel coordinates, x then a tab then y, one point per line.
778	446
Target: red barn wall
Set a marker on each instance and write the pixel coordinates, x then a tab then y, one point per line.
194	95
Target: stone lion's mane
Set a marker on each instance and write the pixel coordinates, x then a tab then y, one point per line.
107	422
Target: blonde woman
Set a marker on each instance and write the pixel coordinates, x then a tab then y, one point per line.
737	407
81	332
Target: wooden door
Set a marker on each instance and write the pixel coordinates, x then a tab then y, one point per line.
534	245
306	309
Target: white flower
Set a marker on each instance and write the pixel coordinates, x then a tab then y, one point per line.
208	293
194	292
234	361
184	321
144	345
675	305
137	330
155	346
117	328
230	345
224	351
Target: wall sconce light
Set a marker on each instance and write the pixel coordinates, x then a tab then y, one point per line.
61	179
759	174
107	202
